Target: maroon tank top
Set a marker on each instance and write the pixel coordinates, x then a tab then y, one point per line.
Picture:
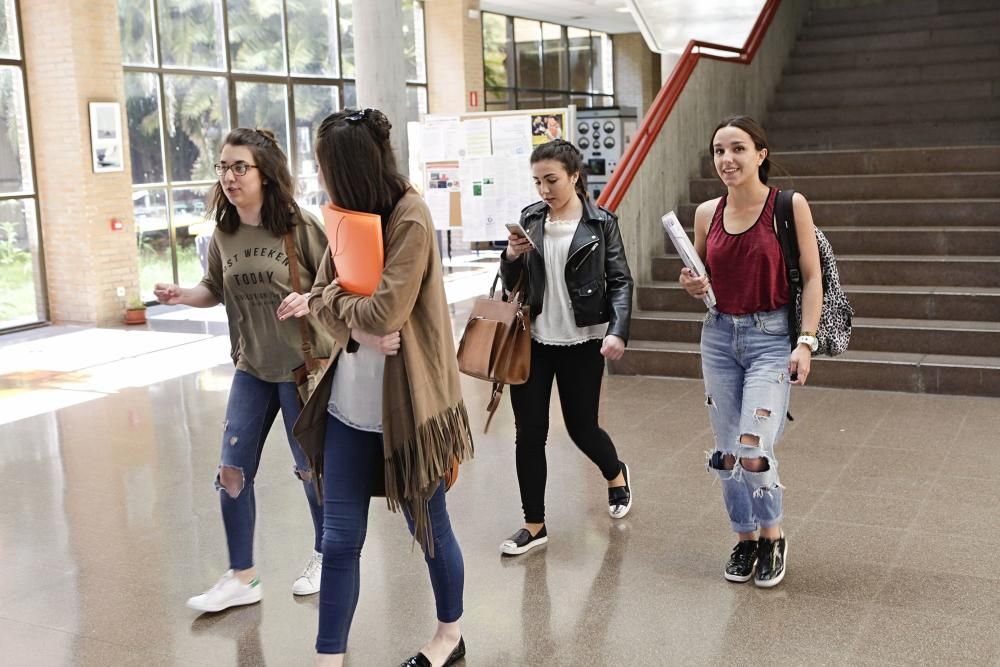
747	270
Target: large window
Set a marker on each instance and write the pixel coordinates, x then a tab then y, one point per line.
531	64
194	69
22	285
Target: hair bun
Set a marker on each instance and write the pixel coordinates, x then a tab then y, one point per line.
379	124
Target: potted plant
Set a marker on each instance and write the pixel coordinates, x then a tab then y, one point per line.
135	312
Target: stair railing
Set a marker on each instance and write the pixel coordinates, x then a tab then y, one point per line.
661	107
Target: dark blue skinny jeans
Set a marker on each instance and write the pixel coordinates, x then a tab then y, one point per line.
253	405
350	459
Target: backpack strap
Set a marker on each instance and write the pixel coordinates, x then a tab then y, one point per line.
784	227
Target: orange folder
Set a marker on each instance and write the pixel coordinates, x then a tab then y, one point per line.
356	248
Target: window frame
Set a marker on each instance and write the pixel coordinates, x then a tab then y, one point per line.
39	276
287	79
514	91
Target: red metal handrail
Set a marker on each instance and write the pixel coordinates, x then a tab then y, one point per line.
665	100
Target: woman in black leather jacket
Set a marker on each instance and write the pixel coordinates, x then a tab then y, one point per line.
579	289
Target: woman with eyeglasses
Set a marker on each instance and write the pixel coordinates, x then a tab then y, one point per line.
248	271
387	417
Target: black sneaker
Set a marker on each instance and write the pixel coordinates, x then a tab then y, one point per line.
522	541
620	497
772	555
741	563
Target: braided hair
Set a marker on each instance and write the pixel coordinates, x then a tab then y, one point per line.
569	156
279	209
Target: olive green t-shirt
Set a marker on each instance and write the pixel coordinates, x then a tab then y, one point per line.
248	272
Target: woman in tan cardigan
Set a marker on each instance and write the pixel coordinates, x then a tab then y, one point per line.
388	414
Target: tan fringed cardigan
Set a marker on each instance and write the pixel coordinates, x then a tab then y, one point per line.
425	425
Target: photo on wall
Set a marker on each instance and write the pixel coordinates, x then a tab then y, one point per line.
547	127
106	136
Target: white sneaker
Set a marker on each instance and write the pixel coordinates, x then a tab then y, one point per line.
308	581
227	592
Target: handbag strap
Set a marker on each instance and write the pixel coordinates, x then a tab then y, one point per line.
515	293
304	330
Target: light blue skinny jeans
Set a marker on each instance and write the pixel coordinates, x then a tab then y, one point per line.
744	360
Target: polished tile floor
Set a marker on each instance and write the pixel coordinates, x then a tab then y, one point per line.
109	521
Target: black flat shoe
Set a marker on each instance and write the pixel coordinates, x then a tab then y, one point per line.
420	660
523	541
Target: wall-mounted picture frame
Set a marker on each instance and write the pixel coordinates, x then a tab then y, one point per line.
106	136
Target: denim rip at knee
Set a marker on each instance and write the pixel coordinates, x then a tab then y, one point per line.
253	406
745	365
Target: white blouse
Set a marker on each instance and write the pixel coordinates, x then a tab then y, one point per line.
356	392
556	325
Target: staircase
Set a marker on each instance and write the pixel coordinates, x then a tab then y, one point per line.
888	118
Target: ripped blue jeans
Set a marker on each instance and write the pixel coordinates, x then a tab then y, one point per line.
253	405
744	360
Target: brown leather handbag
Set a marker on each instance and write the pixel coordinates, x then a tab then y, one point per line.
307	375
496	344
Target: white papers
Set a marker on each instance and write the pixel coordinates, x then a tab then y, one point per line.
512	136
494	190
686	250
441	140
439	203
476	136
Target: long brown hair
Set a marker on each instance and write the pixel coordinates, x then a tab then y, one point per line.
757	134
569	156
357	163
279	210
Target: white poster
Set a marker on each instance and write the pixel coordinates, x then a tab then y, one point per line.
512	136
442	140
476	136
494	190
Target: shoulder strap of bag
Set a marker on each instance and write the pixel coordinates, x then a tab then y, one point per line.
304	330
784	222
784	227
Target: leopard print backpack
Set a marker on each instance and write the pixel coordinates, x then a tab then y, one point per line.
834	331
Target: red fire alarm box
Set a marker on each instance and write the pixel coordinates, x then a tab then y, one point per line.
117	225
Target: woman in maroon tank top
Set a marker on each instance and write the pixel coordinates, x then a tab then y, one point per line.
745	356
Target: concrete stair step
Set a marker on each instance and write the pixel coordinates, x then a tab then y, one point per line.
981	90
912	39
820	29
916	270
883	136
872	334
904	240
881	161
890	371
980	304
871	186
915	240
891	76
884	114
892	213
897	10
940	55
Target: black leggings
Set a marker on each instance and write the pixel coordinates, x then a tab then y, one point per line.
579	370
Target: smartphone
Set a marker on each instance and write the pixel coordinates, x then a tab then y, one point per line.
516	229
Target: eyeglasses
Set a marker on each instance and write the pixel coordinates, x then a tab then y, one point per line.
239	168
357	116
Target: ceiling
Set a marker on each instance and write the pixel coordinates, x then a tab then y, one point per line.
667	25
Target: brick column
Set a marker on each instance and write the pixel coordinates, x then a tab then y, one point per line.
73	57
454	55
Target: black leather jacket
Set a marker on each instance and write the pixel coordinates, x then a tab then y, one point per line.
596	273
